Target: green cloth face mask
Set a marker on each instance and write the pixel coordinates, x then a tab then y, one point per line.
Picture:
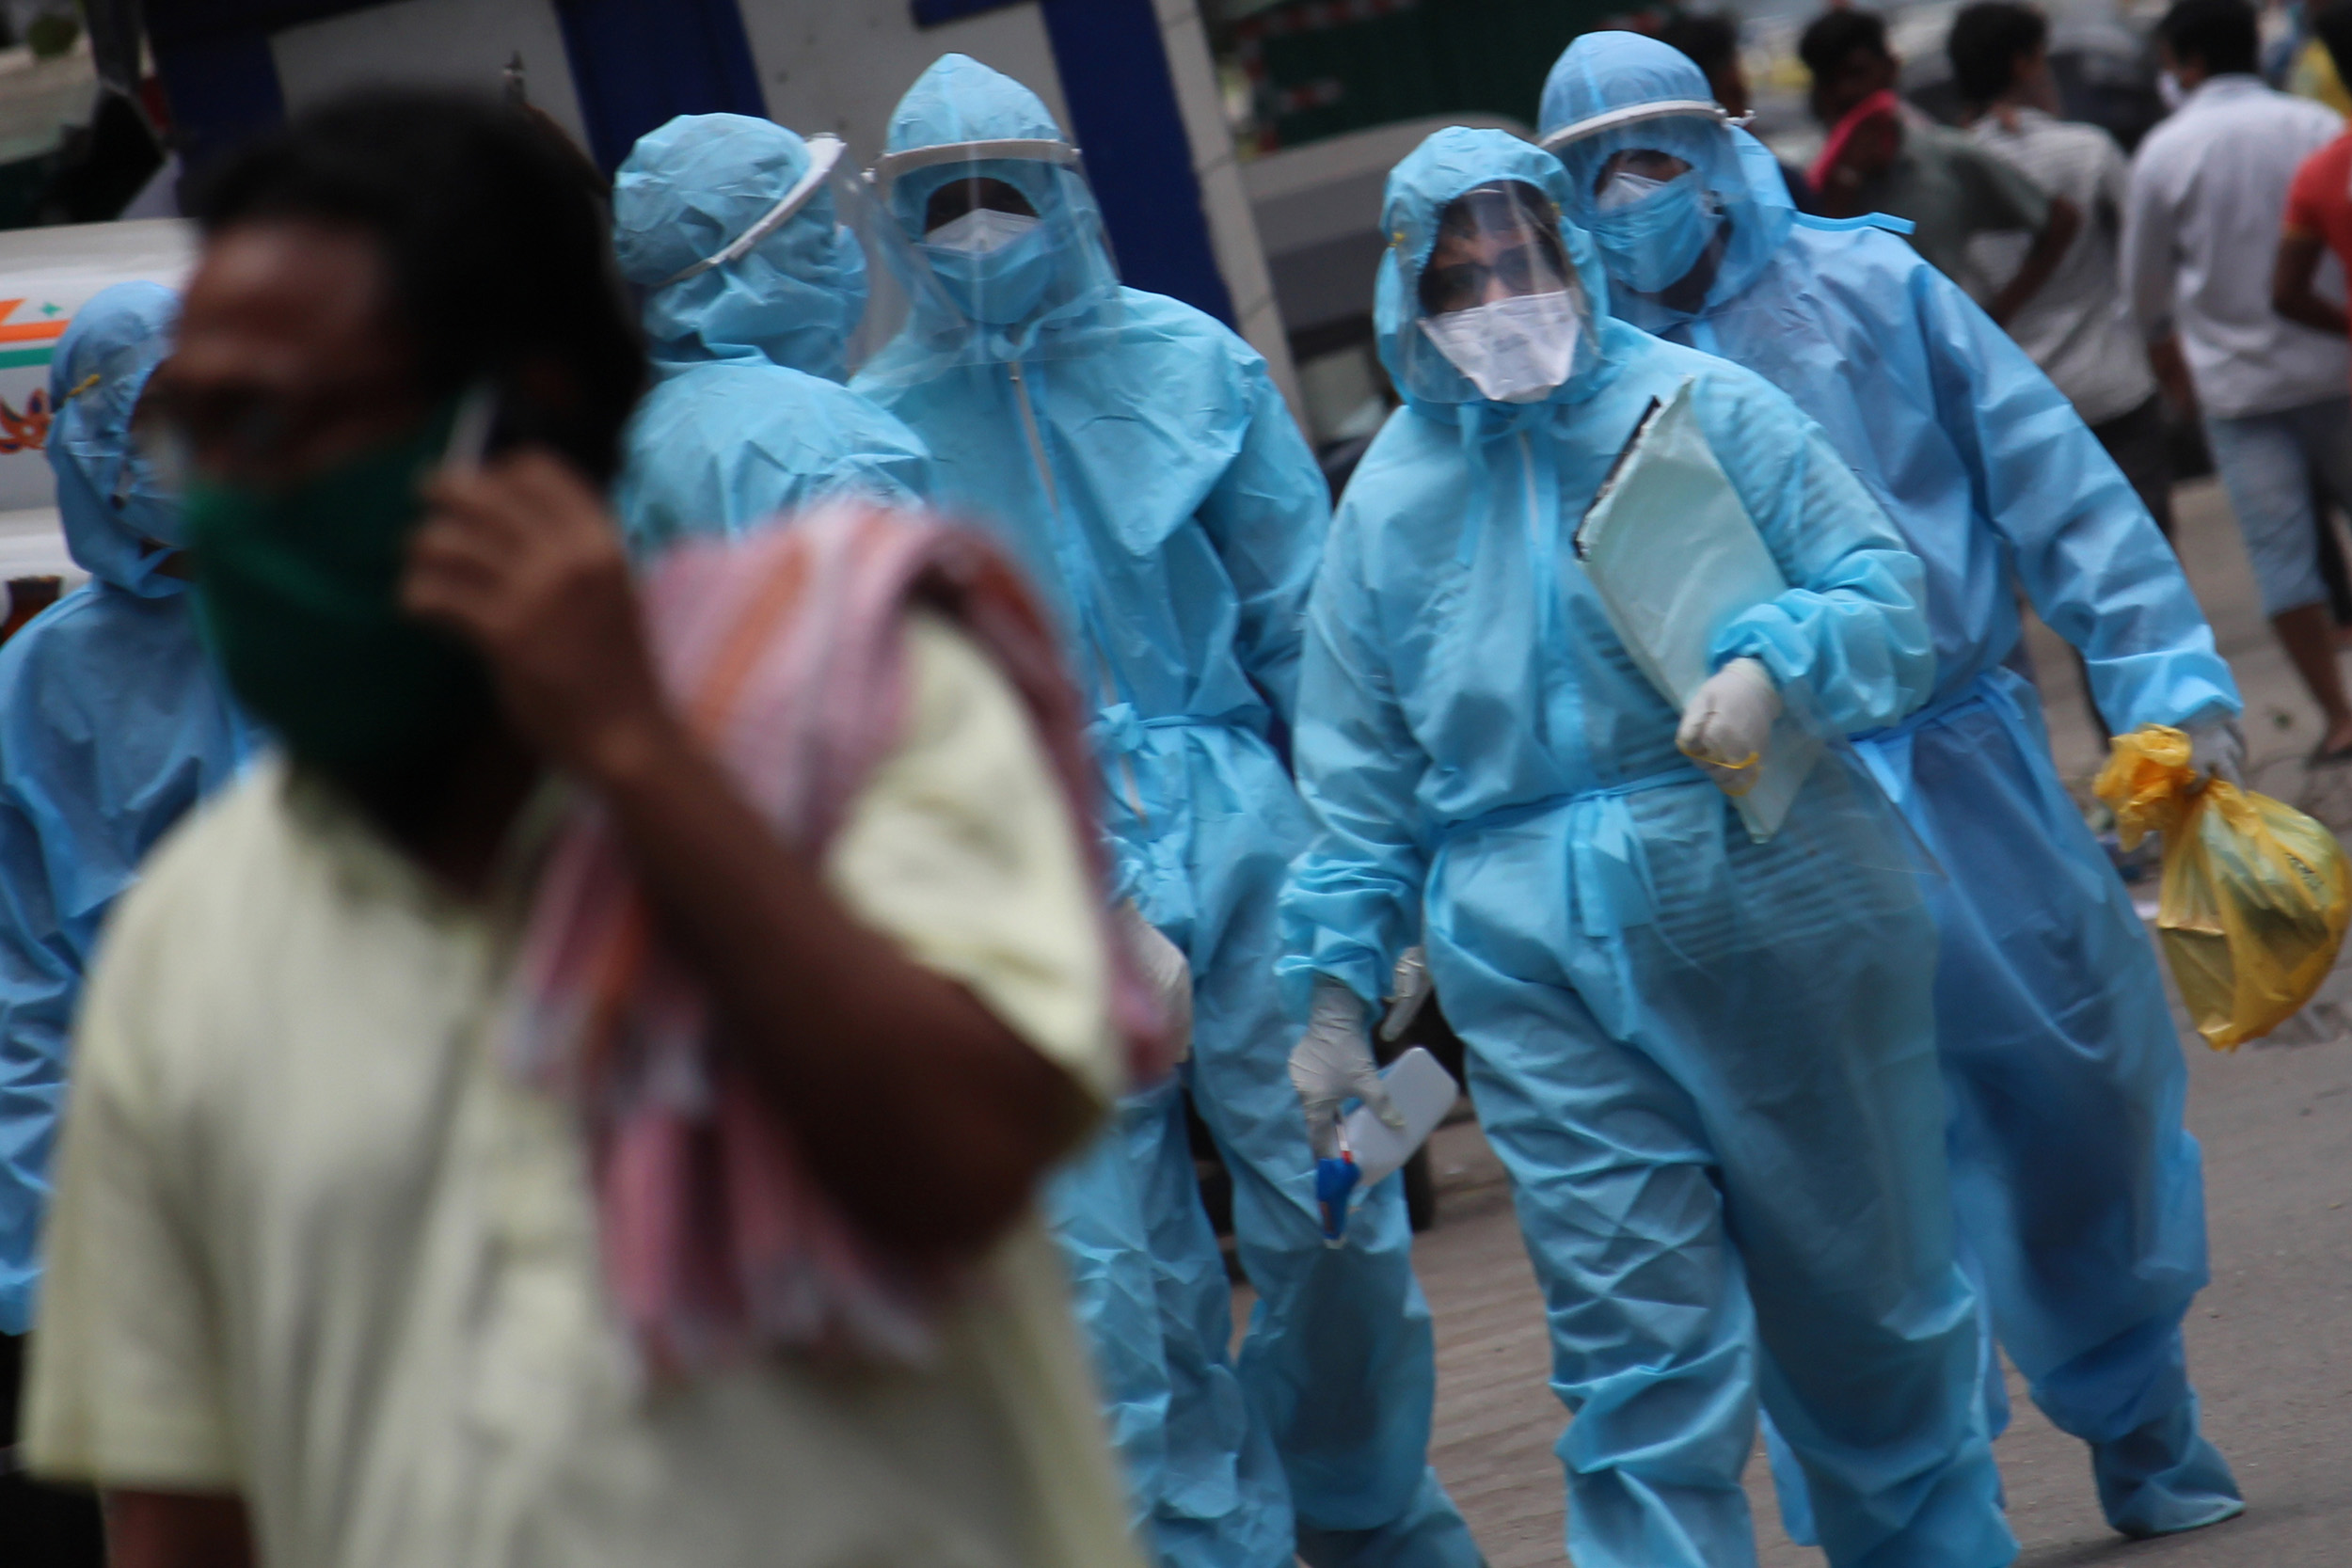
298	595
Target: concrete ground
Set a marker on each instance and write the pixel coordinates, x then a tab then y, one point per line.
2270	1341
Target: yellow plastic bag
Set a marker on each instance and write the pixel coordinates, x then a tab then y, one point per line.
2255	896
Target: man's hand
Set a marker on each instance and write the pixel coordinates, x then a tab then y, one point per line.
520	558
927	1118
2291	291
2041	259
178	1530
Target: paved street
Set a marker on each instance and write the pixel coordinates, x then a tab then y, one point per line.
2270	1341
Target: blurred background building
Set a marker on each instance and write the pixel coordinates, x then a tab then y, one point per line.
1239	145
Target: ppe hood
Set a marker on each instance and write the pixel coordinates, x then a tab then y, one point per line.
1450	164
1593	109
703	183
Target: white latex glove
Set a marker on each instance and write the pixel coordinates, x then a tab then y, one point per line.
1332	1062
2217	749
1727	722
1164	970
1406	992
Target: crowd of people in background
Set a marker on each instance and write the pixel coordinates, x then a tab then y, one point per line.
654	989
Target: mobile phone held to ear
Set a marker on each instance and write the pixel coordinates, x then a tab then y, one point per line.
469	433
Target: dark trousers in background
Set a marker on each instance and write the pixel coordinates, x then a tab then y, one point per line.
2331	566
2141	444
41	1526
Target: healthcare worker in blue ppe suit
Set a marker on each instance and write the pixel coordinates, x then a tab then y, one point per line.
2080	1197
1708	1062
112	725
1136	457
752	290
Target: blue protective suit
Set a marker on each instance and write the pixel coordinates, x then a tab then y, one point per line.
1707	1063
112	725
2079	1193
1143	467
749	416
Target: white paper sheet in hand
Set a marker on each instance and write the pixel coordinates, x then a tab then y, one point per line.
1674	557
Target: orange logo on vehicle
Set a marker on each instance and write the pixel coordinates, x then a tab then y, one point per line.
28	430
29	332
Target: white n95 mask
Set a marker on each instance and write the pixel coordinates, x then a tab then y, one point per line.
981	230
1515	350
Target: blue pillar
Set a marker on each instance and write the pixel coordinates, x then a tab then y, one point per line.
636	65
1113	62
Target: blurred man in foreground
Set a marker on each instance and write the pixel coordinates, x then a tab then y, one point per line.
324	1265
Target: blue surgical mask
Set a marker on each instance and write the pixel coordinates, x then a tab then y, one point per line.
1651	242
995	270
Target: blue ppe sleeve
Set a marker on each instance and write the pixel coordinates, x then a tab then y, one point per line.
1353	902
1851	628
112	726
1266	517
2091	558
41	963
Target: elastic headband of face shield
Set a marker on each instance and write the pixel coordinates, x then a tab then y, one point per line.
892	166
1496	252
823	153
1695	130
1637	114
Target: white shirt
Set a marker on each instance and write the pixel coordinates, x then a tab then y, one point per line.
2201	232
2077	326
313	1244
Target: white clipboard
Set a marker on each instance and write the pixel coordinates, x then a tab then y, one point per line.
1674	556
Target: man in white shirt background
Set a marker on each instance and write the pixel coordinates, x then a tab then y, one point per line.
2200	231
2077	326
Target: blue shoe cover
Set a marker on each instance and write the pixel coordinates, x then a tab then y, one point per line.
2165	1478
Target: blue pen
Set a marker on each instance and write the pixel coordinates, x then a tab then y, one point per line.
1334	1180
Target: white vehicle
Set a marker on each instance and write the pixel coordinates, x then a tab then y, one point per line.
45	277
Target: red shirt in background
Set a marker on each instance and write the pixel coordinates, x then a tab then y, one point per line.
2319	202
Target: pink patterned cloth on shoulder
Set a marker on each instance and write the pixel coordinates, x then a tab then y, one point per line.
788	652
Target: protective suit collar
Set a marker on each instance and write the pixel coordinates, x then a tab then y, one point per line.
120	523
701	183
1590	112
1446	166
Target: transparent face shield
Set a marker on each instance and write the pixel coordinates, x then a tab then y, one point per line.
1501	316
1654	184
983	251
